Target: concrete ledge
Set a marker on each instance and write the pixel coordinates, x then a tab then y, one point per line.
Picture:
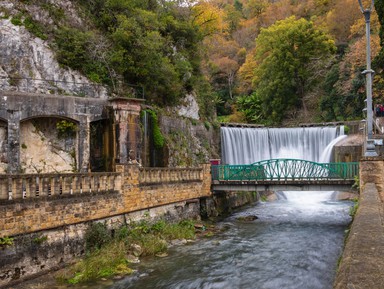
362	263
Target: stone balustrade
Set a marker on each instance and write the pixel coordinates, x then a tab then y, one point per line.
26	186
36	202
150	176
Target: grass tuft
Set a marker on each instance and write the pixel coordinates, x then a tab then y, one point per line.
107	256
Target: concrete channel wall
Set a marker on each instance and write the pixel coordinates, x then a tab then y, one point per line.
362	262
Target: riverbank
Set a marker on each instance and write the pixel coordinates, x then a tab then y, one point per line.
53	280
286	243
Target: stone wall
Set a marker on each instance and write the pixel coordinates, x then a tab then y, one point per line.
349	149
37	253
372	171
29	215
48	229
362	264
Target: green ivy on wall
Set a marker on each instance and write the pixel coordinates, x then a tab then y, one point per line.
158	138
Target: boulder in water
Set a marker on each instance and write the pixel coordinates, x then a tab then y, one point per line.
247	218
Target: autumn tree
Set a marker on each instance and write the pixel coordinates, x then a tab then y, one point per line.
378	63
340	19
208	18
287	55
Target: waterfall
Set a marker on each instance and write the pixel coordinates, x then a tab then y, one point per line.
249	145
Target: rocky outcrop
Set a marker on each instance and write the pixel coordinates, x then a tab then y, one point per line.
189	142
28	64
189	108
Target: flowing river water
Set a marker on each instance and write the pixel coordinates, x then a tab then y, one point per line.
294	244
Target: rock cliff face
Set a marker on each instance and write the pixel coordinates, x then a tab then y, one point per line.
189	142
28	64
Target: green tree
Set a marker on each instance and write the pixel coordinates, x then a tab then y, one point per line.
379	7
153	44
288	54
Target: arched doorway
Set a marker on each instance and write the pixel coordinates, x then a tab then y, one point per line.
101	146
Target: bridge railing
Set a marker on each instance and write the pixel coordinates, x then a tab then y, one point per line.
285	170
27	186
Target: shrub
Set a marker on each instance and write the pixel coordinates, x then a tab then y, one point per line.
96	236
66	129
6	241
158	138
16	20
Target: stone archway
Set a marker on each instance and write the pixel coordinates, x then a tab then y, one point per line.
48	145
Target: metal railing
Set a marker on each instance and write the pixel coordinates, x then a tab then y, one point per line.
26	186
285	170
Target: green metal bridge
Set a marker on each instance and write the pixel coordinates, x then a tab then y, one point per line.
287	174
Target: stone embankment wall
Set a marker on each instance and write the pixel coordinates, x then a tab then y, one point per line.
48	215
362	262
132	189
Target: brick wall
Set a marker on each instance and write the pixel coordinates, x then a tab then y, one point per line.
29	215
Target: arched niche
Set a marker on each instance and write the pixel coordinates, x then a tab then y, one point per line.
48	145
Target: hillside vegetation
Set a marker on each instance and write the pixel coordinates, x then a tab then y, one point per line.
257	61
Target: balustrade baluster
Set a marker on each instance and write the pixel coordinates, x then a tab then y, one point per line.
76	184
97	183
111	183
4	188
27	184
103	183
45	186
52	184
67	185
23	187
92	185
17	188
118	183
85	184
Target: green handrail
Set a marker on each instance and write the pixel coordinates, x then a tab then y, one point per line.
285	170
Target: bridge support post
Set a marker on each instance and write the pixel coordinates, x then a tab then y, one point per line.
128	139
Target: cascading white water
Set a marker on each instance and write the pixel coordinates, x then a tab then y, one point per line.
249	145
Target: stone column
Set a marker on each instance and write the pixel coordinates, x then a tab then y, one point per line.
126	119
13	150
83	145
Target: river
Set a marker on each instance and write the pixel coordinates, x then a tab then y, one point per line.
294	244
